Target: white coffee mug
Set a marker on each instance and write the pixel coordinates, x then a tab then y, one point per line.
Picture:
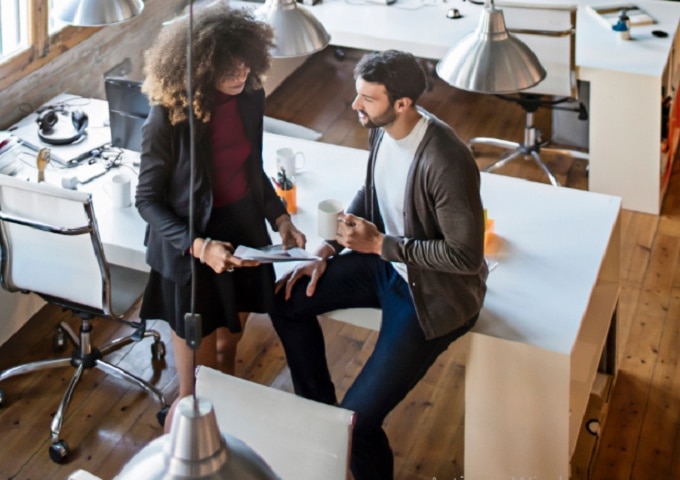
327	218
290	160
119	188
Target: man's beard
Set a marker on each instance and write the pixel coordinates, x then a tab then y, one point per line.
382	120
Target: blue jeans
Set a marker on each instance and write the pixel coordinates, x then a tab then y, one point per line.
400	359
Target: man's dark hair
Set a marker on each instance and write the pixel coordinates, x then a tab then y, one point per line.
399	72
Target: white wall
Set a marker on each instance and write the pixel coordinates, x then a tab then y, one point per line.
15	310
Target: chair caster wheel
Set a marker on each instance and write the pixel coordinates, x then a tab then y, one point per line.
161	415
158	350
59	451
59	340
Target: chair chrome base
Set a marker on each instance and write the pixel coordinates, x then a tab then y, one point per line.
85	356
531	147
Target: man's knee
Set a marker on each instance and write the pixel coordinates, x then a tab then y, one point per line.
282	307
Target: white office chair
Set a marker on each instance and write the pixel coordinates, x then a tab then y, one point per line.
50	246
550	31
299	438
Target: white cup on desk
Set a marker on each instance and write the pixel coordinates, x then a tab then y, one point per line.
119	188
290	160
327	218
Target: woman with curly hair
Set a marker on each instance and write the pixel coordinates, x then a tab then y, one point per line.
232	195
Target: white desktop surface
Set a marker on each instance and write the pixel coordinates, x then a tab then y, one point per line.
123	227
626	77
96	135
422	28
549	252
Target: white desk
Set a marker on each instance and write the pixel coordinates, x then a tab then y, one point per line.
626	78
534	354
123	226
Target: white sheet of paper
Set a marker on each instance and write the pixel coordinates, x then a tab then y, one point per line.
273	253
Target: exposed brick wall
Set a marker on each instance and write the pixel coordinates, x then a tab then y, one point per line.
81	70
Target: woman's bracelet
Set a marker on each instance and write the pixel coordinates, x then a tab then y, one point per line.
201	257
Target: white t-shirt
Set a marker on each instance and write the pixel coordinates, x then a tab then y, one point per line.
392	165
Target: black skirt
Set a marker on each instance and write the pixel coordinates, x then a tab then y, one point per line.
219	297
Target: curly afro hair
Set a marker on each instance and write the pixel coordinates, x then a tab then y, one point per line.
223	40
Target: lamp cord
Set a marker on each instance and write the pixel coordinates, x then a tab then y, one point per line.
191	149
192	320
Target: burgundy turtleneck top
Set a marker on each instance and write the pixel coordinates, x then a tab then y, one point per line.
230	149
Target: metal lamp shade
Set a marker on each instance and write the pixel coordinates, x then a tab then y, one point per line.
95	13
195	449
296	31
491	60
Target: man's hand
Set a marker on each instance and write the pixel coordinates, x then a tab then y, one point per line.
359	234
313	269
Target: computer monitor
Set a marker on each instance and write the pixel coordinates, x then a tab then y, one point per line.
128	109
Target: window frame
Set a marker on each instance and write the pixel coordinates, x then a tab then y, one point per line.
42	48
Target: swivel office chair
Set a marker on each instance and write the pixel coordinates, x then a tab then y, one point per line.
50	246
554	44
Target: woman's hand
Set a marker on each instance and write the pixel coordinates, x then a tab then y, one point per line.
219	255
290	235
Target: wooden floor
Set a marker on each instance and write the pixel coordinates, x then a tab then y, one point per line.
108	422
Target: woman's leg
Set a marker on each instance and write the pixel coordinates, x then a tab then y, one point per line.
185	363
226	343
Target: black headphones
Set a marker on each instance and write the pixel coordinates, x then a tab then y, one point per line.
48	118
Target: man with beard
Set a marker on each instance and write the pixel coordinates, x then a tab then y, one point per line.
414	235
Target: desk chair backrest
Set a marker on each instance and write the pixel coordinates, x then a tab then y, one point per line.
51	246
550	31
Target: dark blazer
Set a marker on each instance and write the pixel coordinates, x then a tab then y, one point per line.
163	191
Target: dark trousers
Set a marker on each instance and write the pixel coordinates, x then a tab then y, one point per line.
400	359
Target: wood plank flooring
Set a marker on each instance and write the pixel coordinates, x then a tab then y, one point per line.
108	422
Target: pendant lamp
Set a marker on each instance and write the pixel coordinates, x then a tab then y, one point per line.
491	59
296	31
195	449
95	13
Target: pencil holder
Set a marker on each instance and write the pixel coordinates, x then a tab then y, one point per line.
289	197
